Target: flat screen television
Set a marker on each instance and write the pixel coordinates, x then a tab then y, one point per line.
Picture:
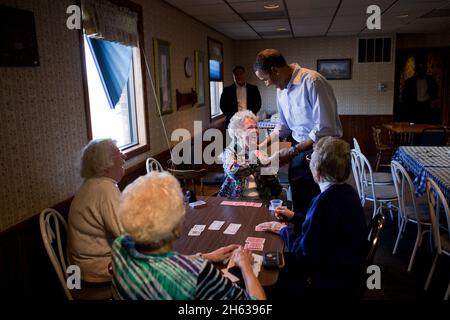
214	70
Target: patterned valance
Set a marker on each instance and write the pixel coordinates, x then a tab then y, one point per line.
104	20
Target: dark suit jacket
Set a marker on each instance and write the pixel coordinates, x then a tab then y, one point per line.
229	104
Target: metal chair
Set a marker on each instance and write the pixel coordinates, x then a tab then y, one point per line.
436	201
415	212
381	148
380	195
50	234
378	177
151	164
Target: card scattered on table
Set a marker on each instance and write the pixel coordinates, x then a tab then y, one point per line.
198	203
197	230
232	228
216	225
241	203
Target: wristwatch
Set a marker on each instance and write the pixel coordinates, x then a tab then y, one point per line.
295	150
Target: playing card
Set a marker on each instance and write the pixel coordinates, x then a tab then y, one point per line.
232	228
255	240
194	233
230	276
254	246
197	230
216	225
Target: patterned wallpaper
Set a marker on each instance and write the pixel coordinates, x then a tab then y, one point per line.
43	124
356	96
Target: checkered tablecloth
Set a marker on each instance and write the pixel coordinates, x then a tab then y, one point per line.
423	162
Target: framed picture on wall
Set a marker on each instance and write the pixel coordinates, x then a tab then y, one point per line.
335	69
200	76
162	75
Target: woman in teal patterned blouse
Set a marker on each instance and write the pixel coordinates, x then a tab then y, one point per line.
145	266
242	167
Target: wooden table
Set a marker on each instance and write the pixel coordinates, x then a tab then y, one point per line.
210	240
403	133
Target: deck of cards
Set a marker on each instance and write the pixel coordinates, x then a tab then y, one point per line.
254	244
241	204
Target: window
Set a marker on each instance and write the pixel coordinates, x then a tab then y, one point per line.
374	50
215	58
115	88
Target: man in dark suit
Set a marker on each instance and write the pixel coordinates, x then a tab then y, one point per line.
239	96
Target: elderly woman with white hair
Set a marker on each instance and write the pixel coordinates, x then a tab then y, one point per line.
93	221
331	247
242	167
145	267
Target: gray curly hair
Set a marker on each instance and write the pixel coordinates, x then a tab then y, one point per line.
96	157
237	122
331	158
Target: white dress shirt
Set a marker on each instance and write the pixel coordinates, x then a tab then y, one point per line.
241	94
308	107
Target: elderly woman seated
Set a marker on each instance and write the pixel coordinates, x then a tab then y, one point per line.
93	221
243	175
331	248
145	266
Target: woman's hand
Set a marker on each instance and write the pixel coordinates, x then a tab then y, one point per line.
221	254
271	226
283	213
243	258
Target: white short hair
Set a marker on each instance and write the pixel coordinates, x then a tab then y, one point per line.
97	156
151	208
237	122
331	158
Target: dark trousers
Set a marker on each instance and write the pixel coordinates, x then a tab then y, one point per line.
303	187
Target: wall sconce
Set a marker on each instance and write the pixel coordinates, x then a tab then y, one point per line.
381	87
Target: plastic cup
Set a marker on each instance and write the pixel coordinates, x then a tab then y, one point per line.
275	203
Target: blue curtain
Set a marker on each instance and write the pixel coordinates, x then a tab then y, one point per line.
113	63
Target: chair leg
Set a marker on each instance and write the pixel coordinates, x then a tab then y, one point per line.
448	292
416	245
400	231
430	275
377	162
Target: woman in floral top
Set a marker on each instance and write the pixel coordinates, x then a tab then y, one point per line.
243	176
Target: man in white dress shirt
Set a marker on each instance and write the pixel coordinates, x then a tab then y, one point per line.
308	111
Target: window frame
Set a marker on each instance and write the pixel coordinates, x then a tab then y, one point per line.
130	151
220	115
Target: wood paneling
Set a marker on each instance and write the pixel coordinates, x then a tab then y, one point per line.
359	127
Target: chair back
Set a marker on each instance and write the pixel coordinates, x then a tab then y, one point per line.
52	224
152	164
363	174
191	175
433	137
436	201
373	237
404	188
376	134
356	145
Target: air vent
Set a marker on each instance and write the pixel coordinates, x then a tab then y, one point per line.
374	50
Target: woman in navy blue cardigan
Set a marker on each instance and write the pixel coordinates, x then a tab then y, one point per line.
327	246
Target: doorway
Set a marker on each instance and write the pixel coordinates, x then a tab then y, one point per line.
434	106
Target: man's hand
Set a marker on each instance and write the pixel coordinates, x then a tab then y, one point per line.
283	213
221	254
285	154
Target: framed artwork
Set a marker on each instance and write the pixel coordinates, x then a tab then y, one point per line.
200	76
18	44
335	69
162	75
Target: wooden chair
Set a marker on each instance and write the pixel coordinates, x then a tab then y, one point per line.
381	147
151	164
190	175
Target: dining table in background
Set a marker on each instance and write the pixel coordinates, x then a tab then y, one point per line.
405	133
423	162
